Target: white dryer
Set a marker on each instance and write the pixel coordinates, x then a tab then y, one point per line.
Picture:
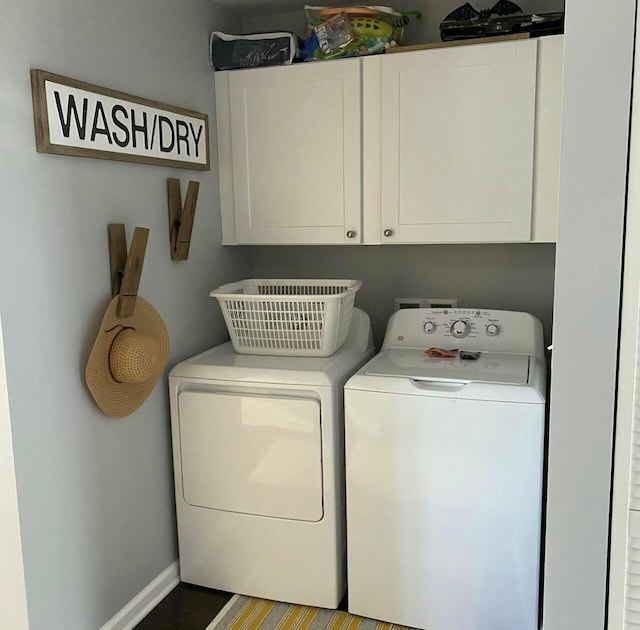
444	473
258	447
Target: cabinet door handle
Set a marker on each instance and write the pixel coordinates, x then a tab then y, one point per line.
388	232
351	234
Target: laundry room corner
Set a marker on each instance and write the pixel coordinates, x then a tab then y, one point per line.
95	494
318	317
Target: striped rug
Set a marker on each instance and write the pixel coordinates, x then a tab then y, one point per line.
250	613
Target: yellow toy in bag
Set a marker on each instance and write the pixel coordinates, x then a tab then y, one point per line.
336	32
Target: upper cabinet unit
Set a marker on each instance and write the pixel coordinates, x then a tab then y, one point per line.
451	144
295	152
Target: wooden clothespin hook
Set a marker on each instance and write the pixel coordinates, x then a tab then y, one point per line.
181	218
126	269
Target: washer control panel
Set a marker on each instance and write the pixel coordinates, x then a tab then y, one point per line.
468	329
462	323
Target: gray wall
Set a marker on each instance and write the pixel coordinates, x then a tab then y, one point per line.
95	494
597	84
507	276
419	31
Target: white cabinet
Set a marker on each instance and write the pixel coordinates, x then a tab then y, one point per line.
457	129
295	152
453	144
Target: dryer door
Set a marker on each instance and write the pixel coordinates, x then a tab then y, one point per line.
252	454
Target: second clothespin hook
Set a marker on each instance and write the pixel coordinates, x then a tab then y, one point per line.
181	218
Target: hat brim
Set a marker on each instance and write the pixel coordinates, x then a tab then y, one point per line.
121	399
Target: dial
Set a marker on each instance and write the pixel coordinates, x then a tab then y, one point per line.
460	328
493	330
430	327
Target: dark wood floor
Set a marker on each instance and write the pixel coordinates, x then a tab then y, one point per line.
186	607
189	607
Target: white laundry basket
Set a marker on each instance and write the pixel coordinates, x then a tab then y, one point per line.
295	318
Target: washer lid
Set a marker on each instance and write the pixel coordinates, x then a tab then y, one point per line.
490	367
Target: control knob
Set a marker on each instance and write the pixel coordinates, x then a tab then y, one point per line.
493	330
460	328
429	327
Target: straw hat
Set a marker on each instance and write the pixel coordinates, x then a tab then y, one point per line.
127	358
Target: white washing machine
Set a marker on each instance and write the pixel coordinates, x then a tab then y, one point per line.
444	473
258	447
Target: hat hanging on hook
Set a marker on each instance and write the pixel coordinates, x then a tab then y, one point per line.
132	346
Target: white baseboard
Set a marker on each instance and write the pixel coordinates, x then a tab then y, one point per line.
146	600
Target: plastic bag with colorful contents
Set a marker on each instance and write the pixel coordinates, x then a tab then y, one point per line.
336	32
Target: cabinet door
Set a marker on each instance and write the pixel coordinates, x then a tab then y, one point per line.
457	131
295	137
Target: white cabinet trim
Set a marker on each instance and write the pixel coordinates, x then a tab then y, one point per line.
548	136
225	158
371	149
13	603
628	413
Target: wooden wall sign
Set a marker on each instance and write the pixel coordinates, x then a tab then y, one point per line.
76	118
